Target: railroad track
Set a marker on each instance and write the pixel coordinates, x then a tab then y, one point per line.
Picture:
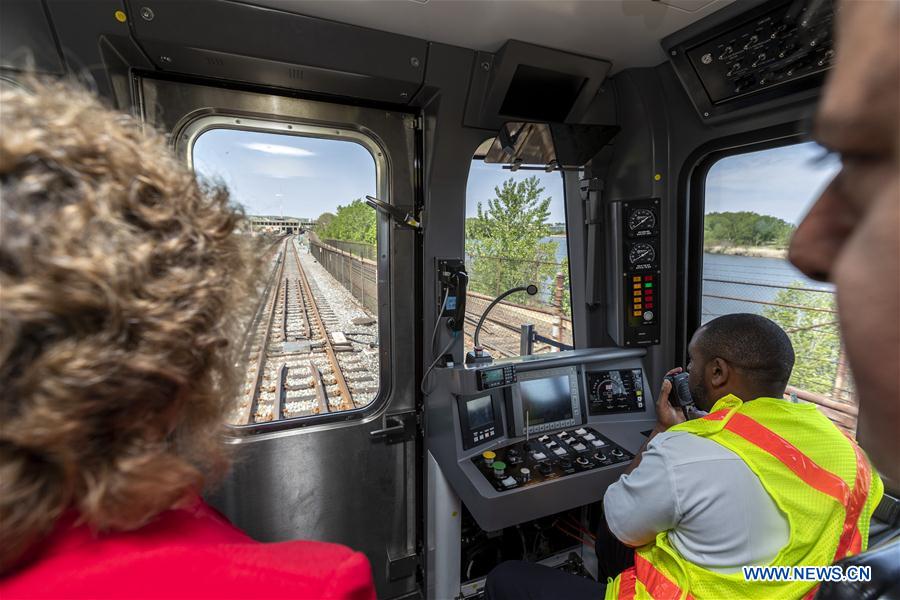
501	332
299	362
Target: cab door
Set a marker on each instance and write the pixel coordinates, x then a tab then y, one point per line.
348	477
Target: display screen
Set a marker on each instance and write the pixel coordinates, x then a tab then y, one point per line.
480	412
494	376
546	400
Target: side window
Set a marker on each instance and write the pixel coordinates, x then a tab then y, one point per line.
754	201
311	342
515	236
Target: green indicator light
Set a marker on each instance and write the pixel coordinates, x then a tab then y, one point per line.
648	285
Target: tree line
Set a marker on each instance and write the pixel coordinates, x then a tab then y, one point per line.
354	222
746	228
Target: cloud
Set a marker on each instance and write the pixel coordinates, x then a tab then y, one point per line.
278	149
279	168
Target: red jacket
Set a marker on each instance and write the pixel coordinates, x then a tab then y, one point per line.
193	553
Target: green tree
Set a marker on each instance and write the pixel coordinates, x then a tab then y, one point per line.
505	240
323	221
814	334
354	222
746	228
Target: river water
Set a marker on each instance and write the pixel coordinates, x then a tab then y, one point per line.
751	279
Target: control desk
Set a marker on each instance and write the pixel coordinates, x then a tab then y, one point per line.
525	437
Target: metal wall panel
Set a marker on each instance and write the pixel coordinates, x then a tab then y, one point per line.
26	38
240	42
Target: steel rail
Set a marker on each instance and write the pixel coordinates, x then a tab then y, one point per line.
264	346
321	396
313	311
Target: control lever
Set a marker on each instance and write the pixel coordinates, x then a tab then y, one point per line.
479	354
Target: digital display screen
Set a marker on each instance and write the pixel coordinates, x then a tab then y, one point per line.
494	376
546	400
480	412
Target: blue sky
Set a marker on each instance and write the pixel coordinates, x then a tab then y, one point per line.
273	174
782	182
277	174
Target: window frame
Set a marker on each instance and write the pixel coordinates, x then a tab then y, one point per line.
184	147
692	187
478	156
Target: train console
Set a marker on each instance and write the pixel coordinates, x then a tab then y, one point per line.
530	438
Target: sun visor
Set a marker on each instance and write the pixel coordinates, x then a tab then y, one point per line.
548	146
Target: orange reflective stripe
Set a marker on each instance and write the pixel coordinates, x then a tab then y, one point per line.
802	466
658	585
825	481
851	539
718	415
626	584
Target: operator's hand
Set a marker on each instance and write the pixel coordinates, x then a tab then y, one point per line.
667	415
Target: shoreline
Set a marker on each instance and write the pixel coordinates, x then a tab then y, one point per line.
753	251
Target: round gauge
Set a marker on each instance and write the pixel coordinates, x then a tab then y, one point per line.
641	254
641	219
607	390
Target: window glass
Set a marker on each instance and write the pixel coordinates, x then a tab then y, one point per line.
515	236
311	341
754	201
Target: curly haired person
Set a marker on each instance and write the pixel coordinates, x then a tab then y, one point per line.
120	278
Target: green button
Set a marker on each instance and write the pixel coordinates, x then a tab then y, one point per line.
499	465
647	285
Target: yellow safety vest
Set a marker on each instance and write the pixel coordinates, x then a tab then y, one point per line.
827	491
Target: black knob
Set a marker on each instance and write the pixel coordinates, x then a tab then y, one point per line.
617	453
545	468
512	452
565	463
601	457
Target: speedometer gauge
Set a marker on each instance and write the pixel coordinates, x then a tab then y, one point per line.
641	254
641	219
608	389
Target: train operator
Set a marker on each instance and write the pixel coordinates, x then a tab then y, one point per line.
851	237
706	497
119	277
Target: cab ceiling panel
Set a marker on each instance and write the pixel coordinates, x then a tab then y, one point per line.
239	42
624	32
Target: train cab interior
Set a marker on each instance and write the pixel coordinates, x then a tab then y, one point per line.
487	231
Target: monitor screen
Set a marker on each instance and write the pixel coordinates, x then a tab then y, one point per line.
546	400
480	412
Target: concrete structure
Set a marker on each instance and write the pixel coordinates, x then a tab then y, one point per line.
285	225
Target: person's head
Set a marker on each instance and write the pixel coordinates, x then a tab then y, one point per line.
117	277
742	354
851	236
